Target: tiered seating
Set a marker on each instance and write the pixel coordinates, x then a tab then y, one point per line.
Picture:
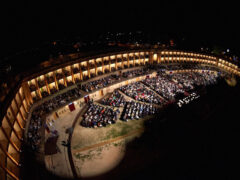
137	72
38	115
115	100
164	86
140	93
135	110
98	116
97	84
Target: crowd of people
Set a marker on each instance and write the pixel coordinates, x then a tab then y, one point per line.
147	92
170	85
191	79
188	99
103	82
163	85
135	110
139	92
97	84
137	72
38	115
98	116
116	100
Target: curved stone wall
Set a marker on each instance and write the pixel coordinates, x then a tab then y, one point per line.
47	83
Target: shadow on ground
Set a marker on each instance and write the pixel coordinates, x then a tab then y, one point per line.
198	141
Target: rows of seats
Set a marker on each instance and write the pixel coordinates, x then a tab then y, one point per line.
116	100
139	92
196	78
135	110
163	85
39	113
137	72
100	83
98	116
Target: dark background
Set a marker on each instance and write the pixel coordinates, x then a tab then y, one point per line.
30	23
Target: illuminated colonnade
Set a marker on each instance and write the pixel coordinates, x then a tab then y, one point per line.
37	87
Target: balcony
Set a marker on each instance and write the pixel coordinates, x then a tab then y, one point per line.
69	83
99	64
131	58
91	65
32	87
75	70
84	68
41	83
92	75
61	86
59	76
36	98
77	80
50	79
44	94
105	62
53	90
100	73
66	73
106	71
85	77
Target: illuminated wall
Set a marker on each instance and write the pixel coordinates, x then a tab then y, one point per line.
34	89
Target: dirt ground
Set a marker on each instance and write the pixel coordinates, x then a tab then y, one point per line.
97	151
101	159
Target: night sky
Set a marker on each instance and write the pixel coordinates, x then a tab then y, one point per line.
27	24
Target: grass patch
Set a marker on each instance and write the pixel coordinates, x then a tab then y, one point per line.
83	157
122	128
98	135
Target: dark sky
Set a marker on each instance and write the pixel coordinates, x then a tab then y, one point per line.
27	24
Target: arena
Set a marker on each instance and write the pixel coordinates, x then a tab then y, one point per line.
78	117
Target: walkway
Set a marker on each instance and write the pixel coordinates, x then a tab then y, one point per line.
61	163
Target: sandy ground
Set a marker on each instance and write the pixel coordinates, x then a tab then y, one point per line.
94	150
83	136
99	160
97	151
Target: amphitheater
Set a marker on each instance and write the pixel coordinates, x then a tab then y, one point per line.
54	134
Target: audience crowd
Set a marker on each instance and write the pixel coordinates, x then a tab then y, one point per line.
39	113
115	100
139	92
135	110
163	86
166	85
187	99
100	83
189	80
137	72
98	116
